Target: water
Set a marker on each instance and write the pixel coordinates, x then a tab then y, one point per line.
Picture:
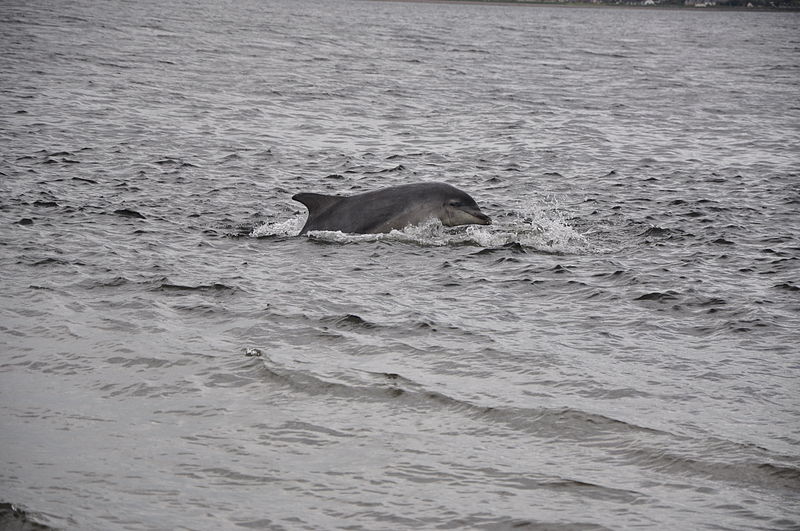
618	350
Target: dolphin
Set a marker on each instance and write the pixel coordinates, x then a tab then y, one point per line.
391	208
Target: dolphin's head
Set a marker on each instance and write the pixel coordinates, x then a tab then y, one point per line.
460	209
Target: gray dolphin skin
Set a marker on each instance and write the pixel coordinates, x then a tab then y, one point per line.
391	208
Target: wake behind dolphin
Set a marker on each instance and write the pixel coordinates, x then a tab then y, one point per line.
391	208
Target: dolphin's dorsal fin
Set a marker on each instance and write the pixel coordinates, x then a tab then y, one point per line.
317	203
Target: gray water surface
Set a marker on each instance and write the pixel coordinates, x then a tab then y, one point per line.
618	350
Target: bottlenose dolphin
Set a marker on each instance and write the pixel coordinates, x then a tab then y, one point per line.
391	208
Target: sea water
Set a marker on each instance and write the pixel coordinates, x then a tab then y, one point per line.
618	350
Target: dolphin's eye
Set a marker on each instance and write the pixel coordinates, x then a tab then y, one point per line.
456	203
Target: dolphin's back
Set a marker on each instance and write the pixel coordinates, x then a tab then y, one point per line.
376	211
352	214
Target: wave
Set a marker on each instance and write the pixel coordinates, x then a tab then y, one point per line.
620	441
156	284
216	287
14	518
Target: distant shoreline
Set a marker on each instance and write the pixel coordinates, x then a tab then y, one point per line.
601	4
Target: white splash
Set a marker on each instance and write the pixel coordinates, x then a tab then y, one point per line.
542	227
289	227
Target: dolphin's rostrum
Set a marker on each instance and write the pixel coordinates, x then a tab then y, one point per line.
391	208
